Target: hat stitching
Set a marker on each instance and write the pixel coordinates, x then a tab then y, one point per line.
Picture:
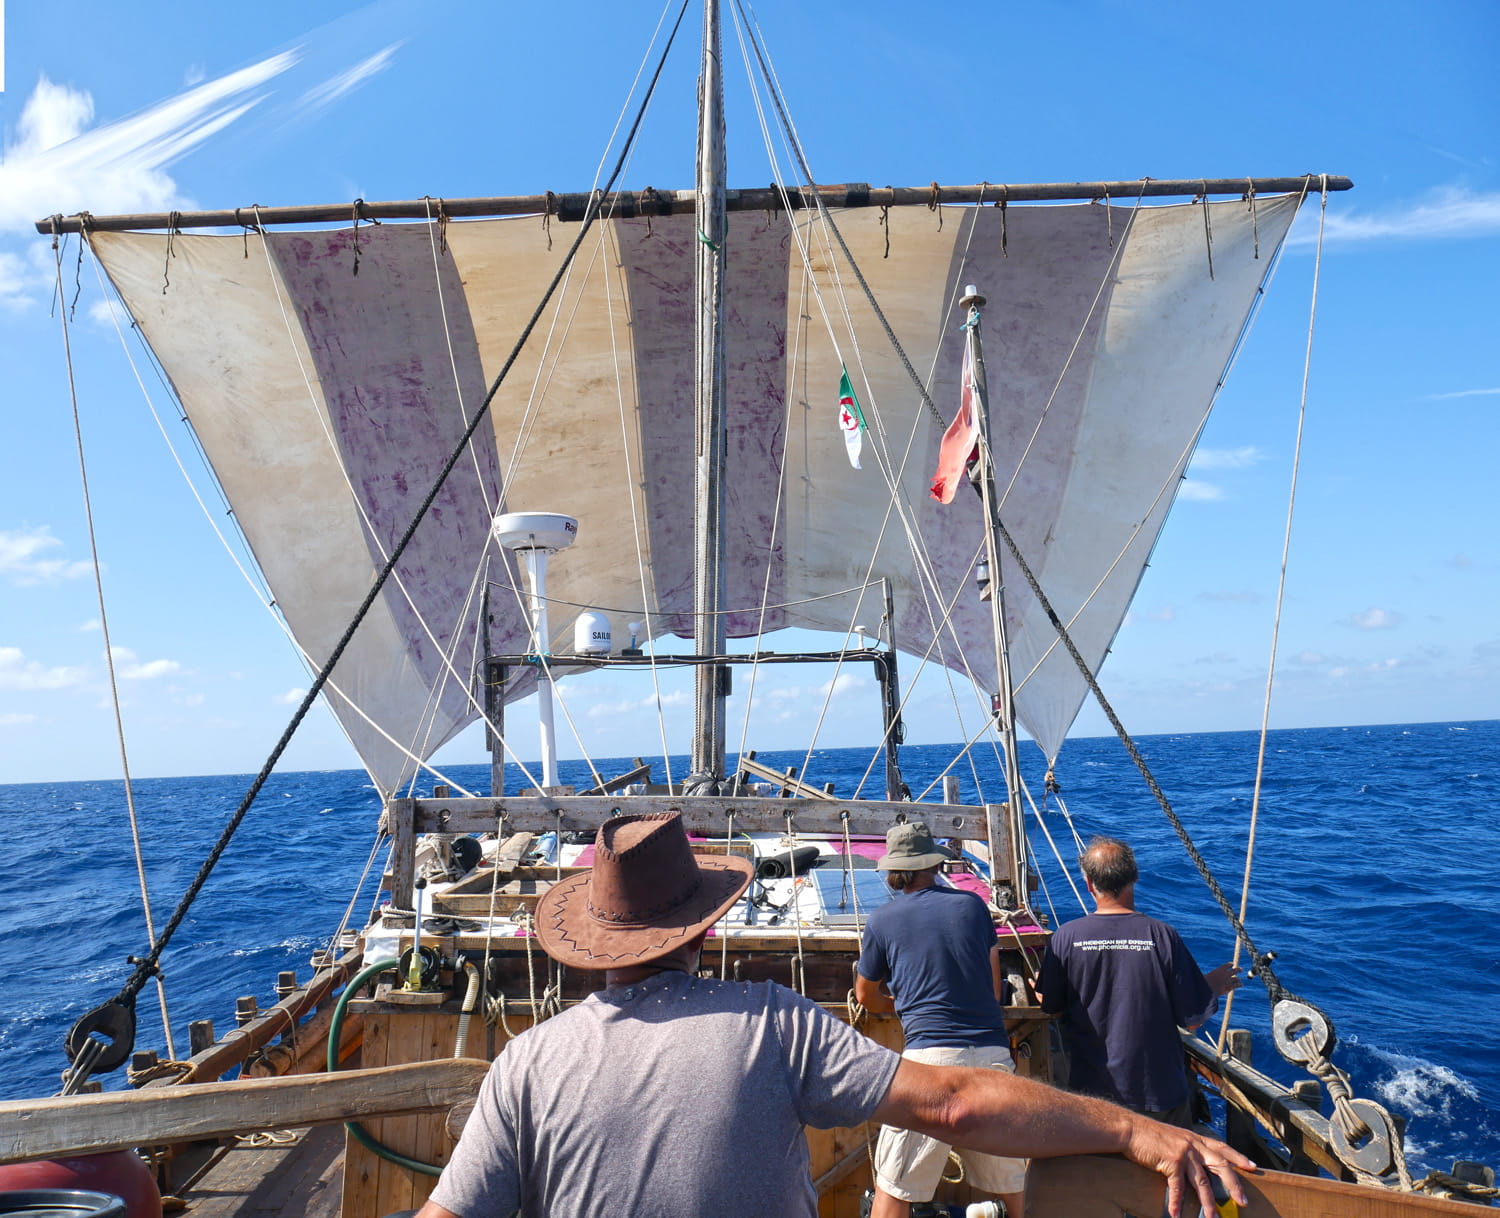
638	917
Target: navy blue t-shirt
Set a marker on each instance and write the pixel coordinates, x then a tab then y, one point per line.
932	947
1122	984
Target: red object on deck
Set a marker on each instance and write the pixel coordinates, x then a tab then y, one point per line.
119	1172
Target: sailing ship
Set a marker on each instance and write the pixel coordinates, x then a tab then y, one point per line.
484	448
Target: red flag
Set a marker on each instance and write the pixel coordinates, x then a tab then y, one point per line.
960	445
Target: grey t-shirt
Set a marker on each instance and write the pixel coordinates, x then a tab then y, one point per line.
675	1096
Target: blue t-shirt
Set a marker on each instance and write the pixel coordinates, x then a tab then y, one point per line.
932	947
1123	983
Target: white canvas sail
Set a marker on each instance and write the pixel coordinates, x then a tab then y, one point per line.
327	400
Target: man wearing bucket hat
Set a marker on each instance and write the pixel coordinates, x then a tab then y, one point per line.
931	953
674	1095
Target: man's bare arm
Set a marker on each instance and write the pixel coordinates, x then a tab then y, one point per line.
433	1210
872	995
1000	1114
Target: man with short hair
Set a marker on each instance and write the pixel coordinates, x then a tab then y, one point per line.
1123	983
671	1095
930	954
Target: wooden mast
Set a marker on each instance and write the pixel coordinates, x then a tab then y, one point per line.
710	680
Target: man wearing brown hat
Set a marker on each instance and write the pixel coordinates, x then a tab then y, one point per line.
674	1095
931	954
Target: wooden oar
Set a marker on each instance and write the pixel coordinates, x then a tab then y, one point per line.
83	1124
1090	1186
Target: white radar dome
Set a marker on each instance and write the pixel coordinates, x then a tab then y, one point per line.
591	634
535	530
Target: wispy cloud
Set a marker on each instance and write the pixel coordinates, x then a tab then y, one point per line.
129	667
844	683
347	81
21	560
16	719
1446	213
1226	458
17	672
1196	490
1463	393
58	164
1375	619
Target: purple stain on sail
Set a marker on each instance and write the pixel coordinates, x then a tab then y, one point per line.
659	269
401	390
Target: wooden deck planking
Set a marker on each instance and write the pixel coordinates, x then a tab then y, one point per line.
302	1177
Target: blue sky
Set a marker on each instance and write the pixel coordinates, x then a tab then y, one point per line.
1394	572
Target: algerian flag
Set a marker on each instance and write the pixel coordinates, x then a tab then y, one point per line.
851	419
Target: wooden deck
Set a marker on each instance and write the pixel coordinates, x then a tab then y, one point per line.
304	1176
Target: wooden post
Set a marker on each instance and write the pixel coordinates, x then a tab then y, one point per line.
950	788
245	1009
1239	1129
399	824
200	1036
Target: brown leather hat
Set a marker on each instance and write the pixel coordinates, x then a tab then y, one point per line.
646	895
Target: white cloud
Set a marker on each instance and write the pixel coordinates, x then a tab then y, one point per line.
16	719
21	561
1167	613
292	697
345	82
844	683
129	668
1308	657
1226	458
1448	212
57	164
1375	619
1197	491
1463	393
17	672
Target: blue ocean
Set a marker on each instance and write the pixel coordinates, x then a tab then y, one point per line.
1376	883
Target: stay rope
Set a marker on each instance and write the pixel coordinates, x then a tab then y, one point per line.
109	654
147	966
1286	544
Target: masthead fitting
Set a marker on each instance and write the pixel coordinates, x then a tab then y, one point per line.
971	298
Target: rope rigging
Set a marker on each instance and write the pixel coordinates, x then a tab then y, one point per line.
101	1019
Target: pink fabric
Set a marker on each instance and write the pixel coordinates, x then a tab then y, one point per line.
960	441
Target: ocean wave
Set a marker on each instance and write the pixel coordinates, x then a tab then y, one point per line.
1419	1087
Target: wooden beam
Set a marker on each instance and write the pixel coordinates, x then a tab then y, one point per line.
1095	1186
785	779
1298	1126
118	1120
629	203
640	772
700	814
238	1044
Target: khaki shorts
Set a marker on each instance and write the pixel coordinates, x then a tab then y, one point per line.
909	1165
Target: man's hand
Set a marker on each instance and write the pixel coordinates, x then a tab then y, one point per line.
1189	1161
1224	980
